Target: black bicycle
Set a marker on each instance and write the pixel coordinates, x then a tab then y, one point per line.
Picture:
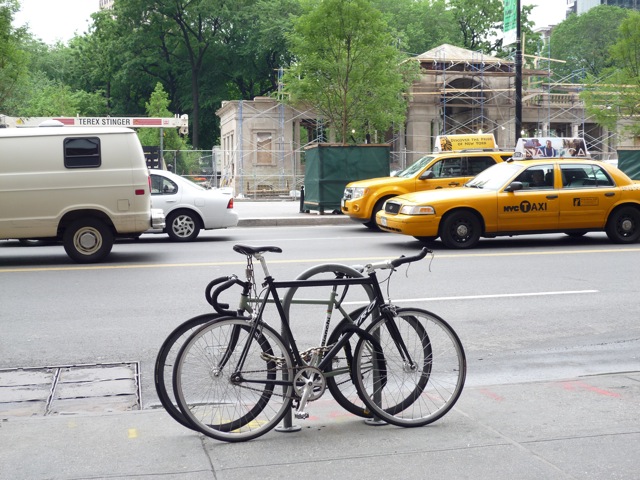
328	303
236	377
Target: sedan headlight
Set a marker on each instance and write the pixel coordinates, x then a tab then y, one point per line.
417	210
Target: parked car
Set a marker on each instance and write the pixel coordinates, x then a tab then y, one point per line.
188	207
575	196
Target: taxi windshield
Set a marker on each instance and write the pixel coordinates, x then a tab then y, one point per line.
411	170
494	177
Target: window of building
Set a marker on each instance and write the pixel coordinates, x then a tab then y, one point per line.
264	148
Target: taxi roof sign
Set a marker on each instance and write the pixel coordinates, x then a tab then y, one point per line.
529	148
452	143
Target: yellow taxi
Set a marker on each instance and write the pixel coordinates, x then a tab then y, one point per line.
457	159
545	191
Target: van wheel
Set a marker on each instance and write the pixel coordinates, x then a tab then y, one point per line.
183	226
88	240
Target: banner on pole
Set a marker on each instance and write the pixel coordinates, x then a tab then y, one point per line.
510	26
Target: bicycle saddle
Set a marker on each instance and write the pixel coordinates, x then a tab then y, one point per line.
247	250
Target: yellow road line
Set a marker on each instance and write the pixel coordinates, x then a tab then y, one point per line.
274	261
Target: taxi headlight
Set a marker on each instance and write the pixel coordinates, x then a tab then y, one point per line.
417	210
359	192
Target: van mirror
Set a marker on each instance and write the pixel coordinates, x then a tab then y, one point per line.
427	175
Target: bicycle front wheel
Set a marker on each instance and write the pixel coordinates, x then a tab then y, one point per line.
224	398
415	389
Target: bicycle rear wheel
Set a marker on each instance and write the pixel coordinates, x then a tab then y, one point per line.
416	393
165	362
222	401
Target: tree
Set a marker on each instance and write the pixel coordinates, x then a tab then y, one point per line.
614	97
255	48
584	41
184	32
347	67
158	106
420	25
13	60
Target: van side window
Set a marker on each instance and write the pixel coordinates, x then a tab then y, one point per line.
82	152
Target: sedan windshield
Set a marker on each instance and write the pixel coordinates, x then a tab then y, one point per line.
411	170
494	178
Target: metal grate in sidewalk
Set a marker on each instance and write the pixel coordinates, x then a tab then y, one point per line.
69	389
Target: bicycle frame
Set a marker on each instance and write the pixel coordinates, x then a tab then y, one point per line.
272	291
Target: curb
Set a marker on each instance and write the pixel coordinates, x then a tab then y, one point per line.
294	221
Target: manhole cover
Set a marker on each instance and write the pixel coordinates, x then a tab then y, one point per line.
69	389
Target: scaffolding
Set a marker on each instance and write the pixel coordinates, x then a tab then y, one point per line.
459	92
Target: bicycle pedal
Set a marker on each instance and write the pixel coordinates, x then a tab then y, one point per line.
301	415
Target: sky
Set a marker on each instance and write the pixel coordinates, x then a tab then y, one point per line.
58	20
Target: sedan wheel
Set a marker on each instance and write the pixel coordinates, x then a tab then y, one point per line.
460	230
623	225
183	226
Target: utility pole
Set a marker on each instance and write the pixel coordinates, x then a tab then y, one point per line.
518	82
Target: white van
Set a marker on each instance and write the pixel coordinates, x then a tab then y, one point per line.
83	186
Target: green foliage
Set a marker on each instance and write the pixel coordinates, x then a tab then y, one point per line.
158	106
347	67
255	48
614	97
13	60
583	41
419	25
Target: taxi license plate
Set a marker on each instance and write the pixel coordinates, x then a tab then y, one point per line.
342	202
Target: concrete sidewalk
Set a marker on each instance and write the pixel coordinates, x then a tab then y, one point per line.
283	213
583	428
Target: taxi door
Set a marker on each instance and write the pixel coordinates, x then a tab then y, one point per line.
535	207
587	194
456	171
445	173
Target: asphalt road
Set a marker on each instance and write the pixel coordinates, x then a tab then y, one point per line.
526	308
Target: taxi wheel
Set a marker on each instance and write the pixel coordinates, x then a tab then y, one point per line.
460	229
372	221
623	225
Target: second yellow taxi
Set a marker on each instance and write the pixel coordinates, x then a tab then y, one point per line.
546	195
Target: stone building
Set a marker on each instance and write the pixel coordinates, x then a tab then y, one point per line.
459	91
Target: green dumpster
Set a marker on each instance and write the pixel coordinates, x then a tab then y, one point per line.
629	162
329	167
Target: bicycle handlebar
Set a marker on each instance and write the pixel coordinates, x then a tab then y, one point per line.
402	260
387	264
225	283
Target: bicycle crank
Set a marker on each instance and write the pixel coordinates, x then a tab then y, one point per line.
309	384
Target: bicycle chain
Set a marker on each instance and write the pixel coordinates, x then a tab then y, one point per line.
279	361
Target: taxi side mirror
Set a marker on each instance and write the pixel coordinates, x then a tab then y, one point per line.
513	186
427	175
